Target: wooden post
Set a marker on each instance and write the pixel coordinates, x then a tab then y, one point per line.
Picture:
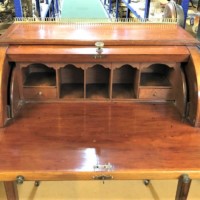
11	190
183	187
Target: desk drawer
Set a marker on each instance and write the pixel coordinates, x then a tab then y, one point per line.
156	93
39	92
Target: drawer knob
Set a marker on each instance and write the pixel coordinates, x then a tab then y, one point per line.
99	46
99	50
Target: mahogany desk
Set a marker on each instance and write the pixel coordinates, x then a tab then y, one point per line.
126	111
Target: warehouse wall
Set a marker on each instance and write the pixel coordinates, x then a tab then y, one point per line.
96	190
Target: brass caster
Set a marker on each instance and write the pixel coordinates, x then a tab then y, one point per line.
19	180
146	182
37	183
186	179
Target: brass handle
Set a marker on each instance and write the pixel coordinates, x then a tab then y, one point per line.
99	50
99	46
103	177
98	56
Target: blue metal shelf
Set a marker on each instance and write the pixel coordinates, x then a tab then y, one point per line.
130	8
44	12
108	7
18	8
45	9
147	6
185	6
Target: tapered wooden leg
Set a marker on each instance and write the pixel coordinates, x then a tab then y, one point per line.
11	190
183	187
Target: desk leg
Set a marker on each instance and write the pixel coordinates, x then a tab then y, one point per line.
183	187
11	190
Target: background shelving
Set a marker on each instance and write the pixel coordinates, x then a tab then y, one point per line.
41	9
109	6
141	9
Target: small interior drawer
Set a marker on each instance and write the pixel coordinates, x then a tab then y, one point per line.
39	92
156	93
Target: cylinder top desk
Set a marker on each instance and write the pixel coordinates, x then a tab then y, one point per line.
99	101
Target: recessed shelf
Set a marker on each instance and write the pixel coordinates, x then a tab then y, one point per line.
123	91
124	82
97	82
39	75
72	82
156	75
154	79
156	82
72	90
40	79
97	91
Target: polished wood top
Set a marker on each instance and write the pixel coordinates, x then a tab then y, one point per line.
64	141
88	34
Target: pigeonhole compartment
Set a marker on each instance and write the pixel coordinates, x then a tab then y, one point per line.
98	82
71	82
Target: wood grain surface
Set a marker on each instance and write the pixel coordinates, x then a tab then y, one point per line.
11	190
88	34
78	54
4	74
64	141
192	72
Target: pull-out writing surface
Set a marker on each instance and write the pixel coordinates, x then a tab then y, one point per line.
65	142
